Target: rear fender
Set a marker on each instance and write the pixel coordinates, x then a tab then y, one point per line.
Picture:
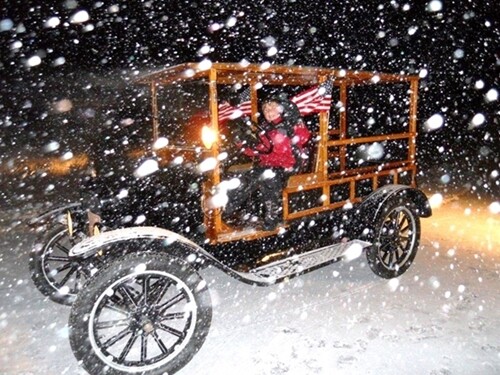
376	201
370	208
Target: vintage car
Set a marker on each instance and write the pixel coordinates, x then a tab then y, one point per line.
144	307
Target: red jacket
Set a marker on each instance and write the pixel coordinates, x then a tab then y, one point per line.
275	149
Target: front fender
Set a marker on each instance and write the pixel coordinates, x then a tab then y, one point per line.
54	213
145	238
158	239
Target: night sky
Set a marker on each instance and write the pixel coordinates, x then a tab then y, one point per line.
50	50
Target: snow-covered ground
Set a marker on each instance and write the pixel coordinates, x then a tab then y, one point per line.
441	317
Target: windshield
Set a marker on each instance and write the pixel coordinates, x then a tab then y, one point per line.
182	112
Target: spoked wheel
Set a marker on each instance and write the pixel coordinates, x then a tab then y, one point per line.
143	313
52	272
397	235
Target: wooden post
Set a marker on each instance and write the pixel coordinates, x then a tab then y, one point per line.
413	128
213	221
254	101
322	146
323	149
343	125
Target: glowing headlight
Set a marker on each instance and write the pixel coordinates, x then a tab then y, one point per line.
208	136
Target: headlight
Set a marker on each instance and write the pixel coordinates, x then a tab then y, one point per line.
208	136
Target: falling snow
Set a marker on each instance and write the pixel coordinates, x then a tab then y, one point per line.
434	122
148	167
69	85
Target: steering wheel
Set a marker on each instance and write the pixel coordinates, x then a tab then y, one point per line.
241	132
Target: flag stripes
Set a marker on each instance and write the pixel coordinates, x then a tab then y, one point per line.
313	100
227	111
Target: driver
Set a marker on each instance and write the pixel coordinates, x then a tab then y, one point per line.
277	154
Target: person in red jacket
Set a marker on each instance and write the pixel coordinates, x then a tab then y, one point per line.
279	152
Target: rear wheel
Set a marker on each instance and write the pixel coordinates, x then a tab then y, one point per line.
52	272
396	238
144	313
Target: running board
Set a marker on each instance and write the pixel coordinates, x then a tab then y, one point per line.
300	263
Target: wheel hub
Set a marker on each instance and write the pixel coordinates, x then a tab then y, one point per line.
391	232
393	235
147	326
144	317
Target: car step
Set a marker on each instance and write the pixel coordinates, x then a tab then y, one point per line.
300	263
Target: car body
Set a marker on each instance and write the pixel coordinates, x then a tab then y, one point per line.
358	193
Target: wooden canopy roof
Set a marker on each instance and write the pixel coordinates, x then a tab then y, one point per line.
230	73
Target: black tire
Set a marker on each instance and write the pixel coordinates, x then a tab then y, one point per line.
123	308
52	272
395	240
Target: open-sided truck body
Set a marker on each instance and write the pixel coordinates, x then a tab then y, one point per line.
330	171
357	194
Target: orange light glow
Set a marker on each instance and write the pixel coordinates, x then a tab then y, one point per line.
464	222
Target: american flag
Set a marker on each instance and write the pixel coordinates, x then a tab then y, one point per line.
227	111
315	99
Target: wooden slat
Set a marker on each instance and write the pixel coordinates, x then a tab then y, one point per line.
372	168
300	183
334	131
317	210
375	138
353	198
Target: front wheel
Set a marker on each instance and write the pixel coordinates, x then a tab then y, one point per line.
396	239
54	274
145	313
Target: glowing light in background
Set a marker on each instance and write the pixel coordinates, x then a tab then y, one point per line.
436	200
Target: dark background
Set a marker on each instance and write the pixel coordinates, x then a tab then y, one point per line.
457	46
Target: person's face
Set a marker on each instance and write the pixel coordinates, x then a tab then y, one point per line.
272	111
